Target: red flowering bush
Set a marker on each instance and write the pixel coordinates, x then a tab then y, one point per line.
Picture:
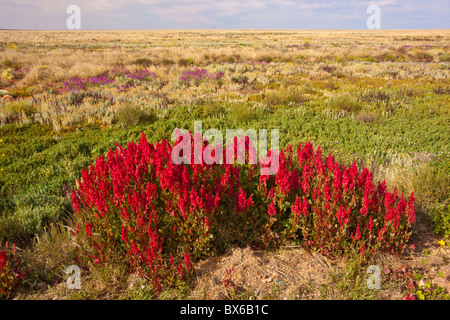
163	215
9	276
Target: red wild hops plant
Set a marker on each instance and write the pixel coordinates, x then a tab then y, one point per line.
163	216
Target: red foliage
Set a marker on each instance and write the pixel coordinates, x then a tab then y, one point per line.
162	215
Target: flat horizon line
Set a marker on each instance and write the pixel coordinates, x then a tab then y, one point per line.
229	29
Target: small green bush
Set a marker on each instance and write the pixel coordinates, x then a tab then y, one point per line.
366	117
346	104
18	106
370	59
9	74
285	96
129	114
32	211
440	214
213	109
242	112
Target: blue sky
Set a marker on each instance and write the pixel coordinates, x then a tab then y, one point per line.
225	14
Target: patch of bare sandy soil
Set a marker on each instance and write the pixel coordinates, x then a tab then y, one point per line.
248	274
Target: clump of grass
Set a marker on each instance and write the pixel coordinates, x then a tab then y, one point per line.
213	109
129	114
266	59
333	69
330	85
284	96
346	104
166	62
366	117
48	256
9	63
145	62
387	56
370	59
421	56
242	112
441	90
429	181
185	62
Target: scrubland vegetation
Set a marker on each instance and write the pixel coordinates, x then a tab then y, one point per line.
363	119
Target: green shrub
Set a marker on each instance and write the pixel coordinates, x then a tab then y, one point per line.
366	117
346	104
242	112
32	211
370	59
129	114
17	107
9	74
213	109
285	96
440	214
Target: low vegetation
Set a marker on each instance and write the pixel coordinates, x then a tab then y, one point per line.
377	109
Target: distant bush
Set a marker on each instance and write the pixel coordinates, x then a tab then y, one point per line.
166	62
240	79
9	74
129	114
213	109
346	104
370	59
421	56
185	62
242	112
284	96
366	117
143	62
266	59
